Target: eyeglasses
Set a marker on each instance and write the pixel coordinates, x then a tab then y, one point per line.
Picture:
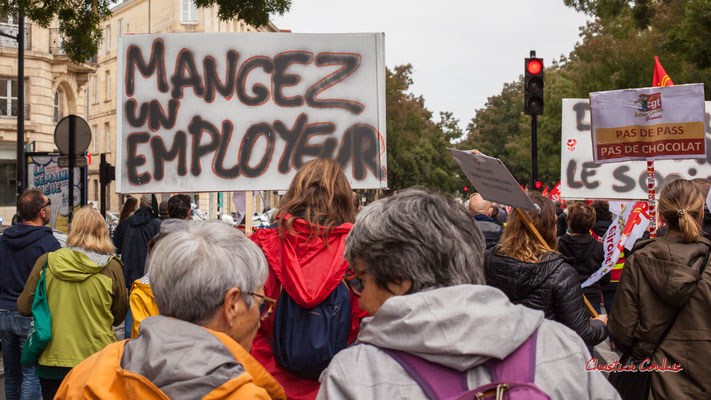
266	307
354	282
49	203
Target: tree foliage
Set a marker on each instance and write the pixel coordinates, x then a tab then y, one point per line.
616	51
417	146
80	20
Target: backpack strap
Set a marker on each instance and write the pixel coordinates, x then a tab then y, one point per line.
437	381
519	366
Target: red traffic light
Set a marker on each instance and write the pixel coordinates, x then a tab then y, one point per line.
534	66
538	184
466	188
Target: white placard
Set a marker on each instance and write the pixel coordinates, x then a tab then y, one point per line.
657	123
244	111
492	179
581	178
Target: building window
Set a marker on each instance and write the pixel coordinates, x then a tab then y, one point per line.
95	139
120	26
8	97
108	38
96	190
108	85
57	105
188	12
86	103
107	128
96	89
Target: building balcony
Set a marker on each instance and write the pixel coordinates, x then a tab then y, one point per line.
11	30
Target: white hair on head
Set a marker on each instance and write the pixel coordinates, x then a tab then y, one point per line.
193	268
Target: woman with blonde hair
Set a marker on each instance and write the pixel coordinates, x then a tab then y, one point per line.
661	309
306	274
535	276
86	296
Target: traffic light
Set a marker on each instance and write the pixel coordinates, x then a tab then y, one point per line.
466	190
533	86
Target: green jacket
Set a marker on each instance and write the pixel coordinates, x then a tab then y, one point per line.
86	295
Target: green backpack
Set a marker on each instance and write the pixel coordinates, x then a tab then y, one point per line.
40	333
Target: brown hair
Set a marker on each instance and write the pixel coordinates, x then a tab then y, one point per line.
89	231
321	195
581	217
703	184
129	207
30	204
682	208
519	243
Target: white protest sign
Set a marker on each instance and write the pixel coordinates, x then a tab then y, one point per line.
492	179
657	123
582	178
244	111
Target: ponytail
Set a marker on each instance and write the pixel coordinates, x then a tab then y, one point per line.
688	226
682	208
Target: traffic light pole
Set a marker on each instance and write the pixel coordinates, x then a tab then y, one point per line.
534	151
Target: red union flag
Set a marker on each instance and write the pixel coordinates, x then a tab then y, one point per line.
555	193
660	75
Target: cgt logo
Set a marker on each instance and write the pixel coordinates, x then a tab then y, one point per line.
650	102
571	144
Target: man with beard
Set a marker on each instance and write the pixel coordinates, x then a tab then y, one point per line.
20	246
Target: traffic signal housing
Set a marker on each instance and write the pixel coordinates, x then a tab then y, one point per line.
533	86
465	191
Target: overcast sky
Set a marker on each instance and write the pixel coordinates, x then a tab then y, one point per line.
462	51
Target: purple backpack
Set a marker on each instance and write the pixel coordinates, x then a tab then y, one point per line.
511	378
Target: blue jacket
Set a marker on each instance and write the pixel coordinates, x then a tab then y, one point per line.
20	247
131	237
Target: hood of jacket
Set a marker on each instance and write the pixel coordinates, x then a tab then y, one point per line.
76	264
141	217
519	278
172	355
580	247
601	227
309	270
459	334
21	236
671	266
172	224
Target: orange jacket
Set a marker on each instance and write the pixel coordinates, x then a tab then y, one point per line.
102	376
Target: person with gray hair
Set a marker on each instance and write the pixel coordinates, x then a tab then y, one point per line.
418	269
208	283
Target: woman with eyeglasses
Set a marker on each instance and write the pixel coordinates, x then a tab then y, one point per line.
306	276
86	297
437	330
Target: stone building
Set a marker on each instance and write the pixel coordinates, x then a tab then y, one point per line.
54	87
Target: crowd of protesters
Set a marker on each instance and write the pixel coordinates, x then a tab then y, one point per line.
413	296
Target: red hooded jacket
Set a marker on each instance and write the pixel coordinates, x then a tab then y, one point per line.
309	271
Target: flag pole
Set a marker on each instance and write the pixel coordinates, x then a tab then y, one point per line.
651	199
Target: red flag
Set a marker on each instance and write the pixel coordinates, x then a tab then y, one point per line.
555	193
545	191
660	75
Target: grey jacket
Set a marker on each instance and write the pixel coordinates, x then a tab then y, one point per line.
460	327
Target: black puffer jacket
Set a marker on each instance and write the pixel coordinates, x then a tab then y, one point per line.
585	255
551	286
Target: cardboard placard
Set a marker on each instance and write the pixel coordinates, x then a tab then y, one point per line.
658	123
582	178
492	179
244	111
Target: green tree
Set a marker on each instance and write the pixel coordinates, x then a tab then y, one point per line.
80	20
417	146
